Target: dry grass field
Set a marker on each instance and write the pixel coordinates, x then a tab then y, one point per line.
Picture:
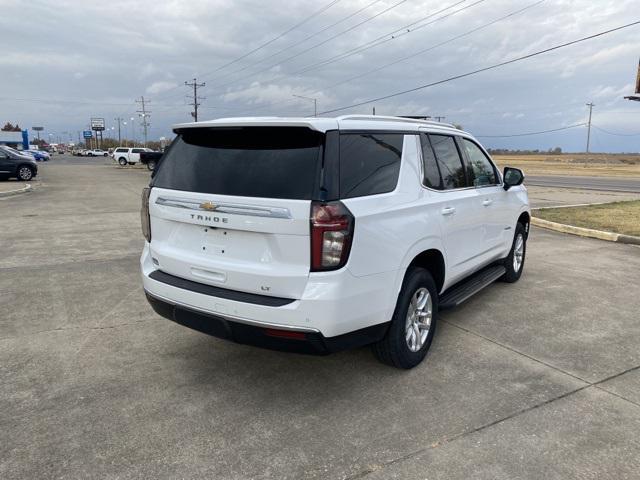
618	217
597	165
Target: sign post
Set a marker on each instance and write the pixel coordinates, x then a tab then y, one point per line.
97	125
37	129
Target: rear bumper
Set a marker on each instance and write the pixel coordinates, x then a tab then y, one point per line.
332	303
309	342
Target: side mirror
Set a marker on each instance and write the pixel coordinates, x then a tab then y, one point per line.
512	177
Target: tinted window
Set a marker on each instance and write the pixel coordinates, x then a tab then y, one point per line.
483	171
137	150
449	161
369	163
122	150
271	162
430	166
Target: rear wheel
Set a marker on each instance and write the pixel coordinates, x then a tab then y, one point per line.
413	323
25	173
122	161
514	263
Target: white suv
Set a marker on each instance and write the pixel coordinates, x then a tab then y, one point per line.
319	234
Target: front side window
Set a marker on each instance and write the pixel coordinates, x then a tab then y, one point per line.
481	168
121	150
369	163
449	161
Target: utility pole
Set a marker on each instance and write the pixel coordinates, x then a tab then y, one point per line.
144	113
314	100
590	105
195	103
118	120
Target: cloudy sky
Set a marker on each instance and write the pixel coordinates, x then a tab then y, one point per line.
66	61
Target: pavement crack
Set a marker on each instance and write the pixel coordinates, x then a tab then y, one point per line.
511	349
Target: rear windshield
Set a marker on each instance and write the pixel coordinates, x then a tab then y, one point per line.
271	162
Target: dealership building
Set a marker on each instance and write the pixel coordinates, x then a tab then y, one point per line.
19	140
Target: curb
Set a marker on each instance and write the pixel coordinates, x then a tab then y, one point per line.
585	232
10	193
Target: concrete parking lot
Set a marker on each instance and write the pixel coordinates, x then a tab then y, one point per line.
539	379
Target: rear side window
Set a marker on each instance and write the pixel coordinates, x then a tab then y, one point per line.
137	150
369	163
432	177
482	169
449	161
270	162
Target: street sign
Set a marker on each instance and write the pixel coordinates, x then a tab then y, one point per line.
37	129
87	134
97	124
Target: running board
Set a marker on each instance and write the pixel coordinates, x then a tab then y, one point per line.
469	287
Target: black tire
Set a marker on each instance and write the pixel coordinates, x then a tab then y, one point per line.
513	274
105	155
151	165
24	173
89	154
122	161
394	348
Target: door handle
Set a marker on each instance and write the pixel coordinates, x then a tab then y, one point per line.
487	202
448	210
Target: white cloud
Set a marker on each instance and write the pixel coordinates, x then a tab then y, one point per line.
159	87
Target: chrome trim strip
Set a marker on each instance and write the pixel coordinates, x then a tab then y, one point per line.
231	318
229	208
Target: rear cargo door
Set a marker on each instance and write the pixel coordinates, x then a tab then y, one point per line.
230	207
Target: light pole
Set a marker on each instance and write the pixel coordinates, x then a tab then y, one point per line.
133	131
125	132
315	103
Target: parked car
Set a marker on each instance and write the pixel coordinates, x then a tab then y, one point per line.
96	152
150	159
128	156
15	164
316	235
39	155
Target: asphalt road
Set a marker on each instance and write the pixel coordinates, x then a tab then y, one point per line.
611	184
535	380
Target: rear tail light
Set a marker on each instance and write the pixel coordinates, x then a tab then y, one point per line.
331	235
144	214
271	332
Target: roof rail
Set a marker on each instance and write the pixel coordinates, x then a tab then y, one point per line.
385	118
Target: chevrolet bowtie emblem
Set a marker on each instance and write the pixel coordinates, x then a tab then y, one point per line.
210	207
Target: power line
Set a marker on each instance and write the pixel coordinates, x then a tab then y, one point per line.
480	70
616	133
269	42
360	48
533	133
353	27
433	47
309	37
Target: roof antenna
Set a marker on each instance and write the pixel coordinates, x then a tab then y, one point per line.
374	110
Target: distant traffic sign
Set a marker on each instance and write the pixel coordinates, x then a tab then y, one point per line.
37	129
87	134
97	124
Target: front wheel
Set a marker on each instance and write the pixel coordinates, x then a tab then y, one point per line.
105	155
514	263
151	165
25	173
413	323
